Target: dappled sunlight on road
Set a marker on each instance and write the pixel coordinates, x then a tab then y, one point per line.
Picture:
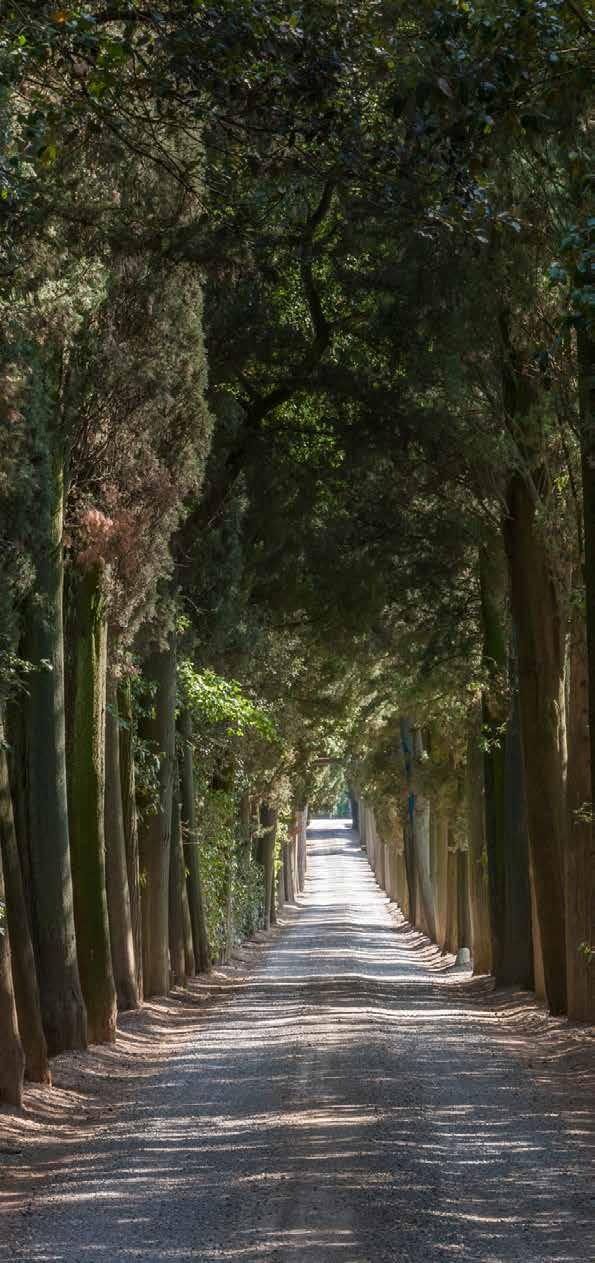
351	1099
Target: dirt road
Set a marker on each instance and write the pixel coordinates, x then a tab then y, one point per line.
353	1100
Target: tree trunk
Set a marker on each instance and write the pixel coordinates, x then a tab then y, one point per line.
12	1057
198	916
363	841
130	822
155	829
86	785
439	861
492	575
229	925
541	677
421	842
18	770
291	875
24	972
268	821
516	965
354	810
118	897
280	888
451	938
537	954
54	936
410	848
586	378
579	857
479	899
302	848
463	912
177	887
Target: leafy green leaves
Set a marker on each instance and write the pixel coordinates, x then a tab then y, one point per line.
216	701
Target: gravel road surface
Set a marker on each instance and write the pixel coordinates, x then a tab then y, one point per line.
353	1100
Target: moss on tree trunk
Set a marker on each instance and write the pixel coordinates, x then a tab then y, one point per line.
130	821
24	970
155	828
451	938
118	896
541	677
579	854
177	890
479	899
196	903
87	805
12	1057
268	821
54	936
516	965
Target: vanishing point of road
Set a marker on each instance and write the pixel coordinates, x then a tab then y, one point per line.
354	1099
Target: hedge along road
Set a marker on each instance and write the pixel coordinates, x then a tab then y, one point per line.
353	1100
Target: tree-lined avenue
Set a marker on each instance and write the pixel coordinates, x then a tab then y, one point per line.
356	1098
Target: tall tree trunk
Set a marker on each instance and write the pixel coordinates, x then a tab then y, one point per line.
582	999
479	900
586	377
18	770
177	889
268	821
196	903
536	952
504	780
492	575
130	822
12	1057
463	910
24	971
579	856
155	828
279	890
229	914
541	677
86	787
354	810
438	864
516	964
118	896
451	939
409	833
302	847
421	832
54	936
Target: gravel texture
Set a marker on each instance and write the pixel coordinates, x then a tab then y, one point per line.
351	1098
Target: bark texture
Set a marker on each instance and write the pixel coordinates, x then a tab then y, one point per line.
586	378
268	821
130	820
196	903
177	884
516	965
118	897
24	971
155	829
579	854
87	806
479	899
541	692
54	936
12	1057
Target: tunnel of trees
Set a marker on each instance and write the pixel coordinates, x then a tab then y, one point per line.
297	474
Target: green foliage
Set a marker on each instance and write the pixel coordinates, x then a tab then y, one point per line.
216	701
232	879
